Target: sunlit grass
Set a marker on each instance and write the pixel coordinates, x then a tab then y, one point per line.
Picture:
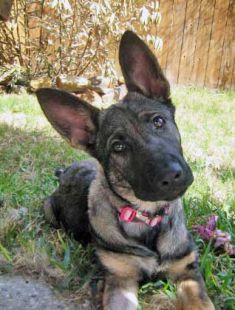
30	151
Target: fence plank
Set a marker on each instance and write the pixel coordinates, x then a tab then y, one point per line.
176	40
190	33
226	71
203	42
232	86
164	30
216	43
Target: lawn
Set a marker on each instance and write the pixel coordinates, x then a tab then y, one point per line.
30	151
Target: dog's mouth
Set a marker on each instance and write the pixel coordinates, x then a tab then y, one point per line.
159	196
156	194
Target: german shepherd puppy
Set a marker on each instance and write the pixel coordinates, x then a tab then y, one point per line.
133	190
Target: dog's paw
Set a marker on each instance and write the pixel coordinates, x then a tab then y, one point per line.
190	296
159	302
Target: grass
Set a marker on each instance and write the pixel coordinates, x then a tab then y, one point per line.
30	151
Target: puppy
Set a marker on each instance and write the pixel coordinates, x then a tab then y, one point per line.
133	191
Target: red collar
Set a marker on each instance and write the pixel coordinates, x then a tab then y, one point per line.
128	214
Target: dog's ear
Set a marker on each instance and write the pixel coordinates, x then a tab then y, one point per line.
140	68
73	118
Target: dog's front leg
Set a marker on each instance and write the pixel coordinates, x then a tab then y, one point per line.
120	293
191	290
123	274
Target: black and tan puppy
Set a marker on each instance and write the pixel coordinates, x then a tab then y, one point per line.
134	206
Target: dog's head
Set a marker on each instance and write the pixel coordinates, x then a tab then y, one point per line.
136	140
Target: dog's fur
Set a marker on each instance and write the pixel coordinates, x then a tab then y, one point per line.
139	161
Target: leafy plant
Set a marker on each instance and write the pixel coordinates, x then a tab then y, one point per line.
51	37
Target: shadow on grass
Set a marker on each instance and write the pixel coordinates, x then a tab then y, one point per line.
28	160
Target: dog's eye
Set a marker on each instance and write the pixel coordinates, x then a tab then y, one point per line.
118	146
158	121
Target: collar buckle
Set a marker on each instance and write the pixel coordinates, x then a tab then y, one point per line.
127	214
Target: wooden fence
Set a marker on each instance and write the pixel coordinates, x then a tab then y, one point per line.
198	42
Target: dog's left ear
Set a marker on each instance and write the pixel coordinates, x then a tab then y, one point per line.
141	69
75	119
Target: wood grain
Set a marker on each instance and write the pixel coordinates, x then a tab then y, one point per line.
198	42
217	43
226	78
189	43
176	40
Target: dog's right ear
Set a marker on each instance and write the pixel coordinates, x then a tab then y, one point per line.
141	69
73	118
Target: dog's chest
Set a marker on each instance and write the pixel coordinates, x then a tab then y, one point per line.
135	230
165	238
145	234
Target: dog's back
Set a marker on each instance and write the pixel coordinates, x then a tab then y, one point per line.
67	207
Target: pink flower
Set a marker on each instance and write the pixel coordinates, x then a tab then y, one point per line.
203	231
211	223
222	239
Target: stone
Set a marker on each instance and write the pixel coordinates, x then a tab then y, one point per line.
114	95
121	91
101	84
2	89
121	80
72	83
20	293
18	89
109	98
39	83
92	97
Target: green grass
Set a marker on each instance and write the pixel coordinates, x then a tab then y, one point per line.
30	151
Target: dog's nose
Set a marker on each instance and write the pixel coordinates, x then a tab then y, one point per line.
172	177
